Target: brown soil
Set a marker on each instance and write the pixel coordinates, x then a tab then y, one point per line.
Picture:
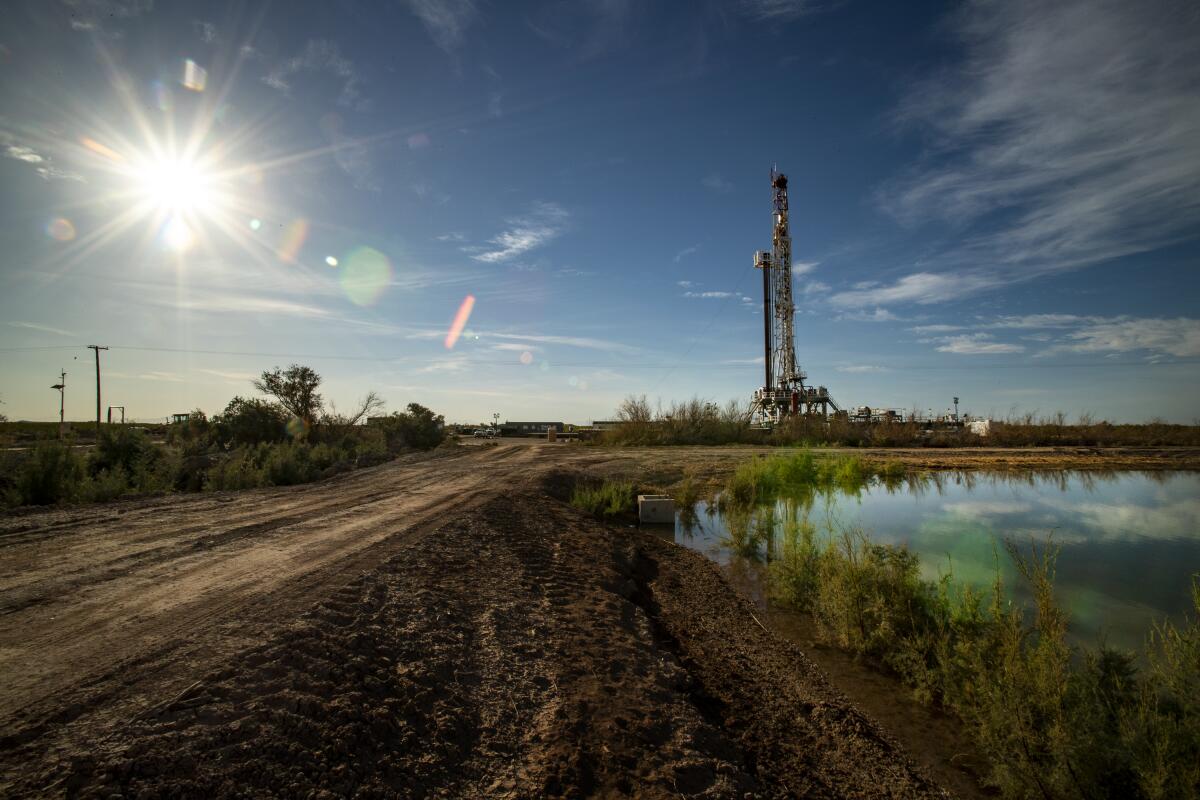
434	626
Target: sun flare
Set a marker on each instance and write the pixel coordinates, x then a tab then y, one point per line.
176	186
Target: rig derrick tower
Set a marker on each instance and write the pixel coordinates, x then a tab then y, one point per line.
783	392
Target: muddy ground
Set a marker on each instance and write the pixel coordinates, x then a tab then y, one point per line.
436	626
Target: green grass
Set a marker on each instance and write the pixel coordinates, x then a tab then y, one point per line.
1054	721
609	499
798	474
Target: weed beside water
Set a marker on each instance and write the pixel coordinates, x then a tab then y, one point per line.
609	499
1052	720
800	474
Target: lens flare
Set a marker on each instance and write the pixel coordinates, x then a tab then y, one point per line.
100	150
331	261
460	321
293	240
255	224
195	77
364	275
60	229
296	428
527	358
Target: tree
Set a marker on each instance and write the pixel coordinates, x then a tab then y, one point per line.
417	428
366	405
250	421
296	390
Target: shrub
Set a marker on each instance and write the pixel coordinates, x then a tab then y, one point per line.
418	428
609	499
120	447
250	421
288	464
51	474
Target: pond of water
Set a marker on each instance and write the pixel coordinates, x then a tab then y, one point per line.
1129	542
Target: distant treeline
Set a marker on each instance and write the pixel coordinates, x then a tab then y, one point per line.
697	422
289	439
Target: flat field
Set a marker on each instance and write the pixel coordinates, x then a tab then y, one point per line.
438	625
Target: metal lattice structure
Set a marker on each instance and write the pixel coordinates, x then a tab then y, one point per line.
783	392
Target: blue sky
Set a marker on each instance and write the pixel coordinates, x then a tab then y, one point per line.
991	200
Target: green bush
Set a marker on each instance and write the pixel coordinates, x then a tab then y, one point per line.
609	499
51	474
120	447
417	428
250	421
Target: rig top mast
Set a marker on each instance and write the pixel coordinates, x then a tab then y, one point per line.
783	392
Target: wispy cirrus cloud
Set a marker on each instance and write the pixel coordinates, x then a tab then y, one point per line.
445	20
587	28
1070	135
33	326
1178	337
584	342
710	295
320	56
856	369
42	163
972	344
684	253
922	288
716	183
539	226
776	10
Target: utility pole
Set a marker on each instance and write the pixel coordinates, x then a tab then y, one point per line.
97	348
61	386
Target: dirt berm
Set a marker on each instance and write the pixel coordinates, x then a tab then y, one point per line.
513	649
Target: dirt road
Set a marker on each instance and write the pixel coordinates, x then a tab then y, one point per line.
404	630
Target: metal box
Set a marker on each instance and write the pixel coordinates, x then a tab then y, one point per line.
656	509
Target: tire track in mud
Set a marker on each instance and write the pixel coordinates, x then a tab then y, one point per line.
213	600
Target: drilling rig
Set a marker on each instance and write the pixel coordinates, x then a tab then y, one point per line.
783	393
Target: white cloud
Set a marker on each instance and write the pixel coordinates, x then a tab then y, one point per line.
445	20
568	341
169	377
516	347
717	183
1040	321
860	368
878	315
685	284
535	229
922	288
776	10
1176	337
976	344
684	253
33	326
710	295
45	168
733	361
230	375
1078	123
815	287
496	104
804	267
935	328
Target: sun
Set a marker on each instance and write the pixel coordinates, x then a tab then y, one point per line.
176	186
